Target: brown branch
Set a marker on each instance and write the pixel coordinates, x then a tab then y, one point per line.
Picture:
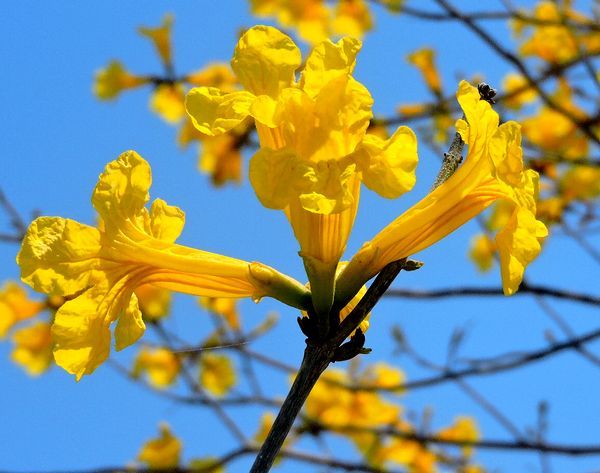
493	291
510	445
487	366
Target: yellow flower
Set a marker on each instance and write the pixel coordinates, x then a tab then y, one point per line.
113	80
161	38
424	60
224	307
161	452
550	210
221	158
383	376
266	422
154	301
352	18
314	147
411	454
552	131
15	306
214	75
310	17
493	170
463	429
336	407
513	82
482	252
167	101
160	365
102	268
206	465
217	374
580	183
33	348
412	109
555	42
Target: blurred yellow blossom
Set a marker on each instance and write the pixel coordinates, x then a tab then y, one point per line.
161	38
551	130
113	80
550	210
161	452
15	306
154	301
266	422
464	429
511	84
552	39
159	364
424	60
217	374
214	75
335	406
224	307
580	183
352	18
33	348
167	101
482	252
206	465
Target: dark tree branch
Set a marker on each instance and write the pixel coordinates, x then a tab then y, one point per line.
494	291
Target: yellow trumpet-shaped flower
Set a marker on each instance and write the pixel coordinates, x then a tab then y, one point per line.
161	38
314	147
101	268
493	170
113	80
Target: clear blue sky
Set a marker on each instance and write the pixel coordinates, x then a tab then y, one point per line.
56	139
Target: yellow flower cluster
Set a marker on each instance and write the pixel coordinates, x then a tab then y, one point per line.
315	20
552	39
337	403
219	157
315	152
32	343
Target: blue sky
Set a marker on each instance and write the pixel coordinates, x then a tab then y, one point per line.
56	139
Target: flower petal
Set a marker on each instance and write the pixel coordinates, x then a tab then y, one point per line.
214	112
265	60
59	256
81	335
122	191
278	175
518	245
328	61
166	221
332	189
130	326
391	163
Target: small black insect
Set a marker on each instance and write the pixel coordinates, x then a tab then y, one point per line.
486	92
